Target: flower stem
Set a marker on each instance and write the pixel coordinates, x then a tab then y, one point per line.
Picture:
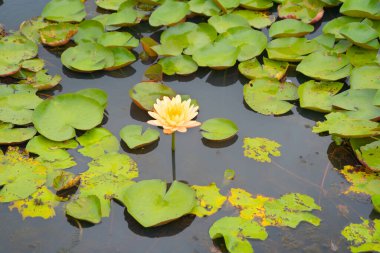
173	141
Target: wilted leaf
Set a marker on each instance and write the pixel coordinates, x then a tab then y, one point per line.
367	150
308	11
259	149
209	200
363	236
57	34
362	181
30	28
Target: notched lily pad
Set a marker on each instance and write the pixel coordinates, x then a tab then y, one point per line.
361	34
227	21
256	19
42	81
85	208
220	55
259	149
97	142
10	135
112	5
334	26
64	11
134	136
252	69
289	28
57	34
204	7
362	9
89	31
219	129
181	65
308	11
33	65
118	39
290	49
169	13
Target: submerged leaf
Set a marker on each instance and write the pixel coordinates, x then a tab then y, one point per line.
367	150
209	200
259	149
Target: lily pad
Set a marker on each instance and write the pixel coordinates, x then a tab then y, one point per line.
226	5
20	176
361	34
30	28
204	7
363	236
89	31
334	26
209	200
154	73
112	5
33	65
325	66
360	56
256	19
236	231
342	125
248	41
252	69
50	150
147	43
122	58
39	204
169	13
96	94
202	36
180	65
118	39
57	34
126	15
290	49
259	149
361	180
103	19
85	208
365	77
97	142
134	136
15	48
289	28
229	174
42	81
269	96
219	55
256	4
57	118
10	135
227	21
308	11
64	11
318	96
219	129
367	150
88	57
362	9
150	203
145	94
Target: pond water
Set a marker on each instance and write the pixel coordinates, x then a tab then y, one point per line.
303	167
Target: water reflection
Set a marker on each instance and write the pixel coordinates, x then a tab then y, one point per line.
219	144
139	151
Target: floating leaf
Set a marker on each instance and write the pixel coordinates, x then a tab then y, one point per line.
64	11
97	142
363	236
57	118
33	65
147	43
308	11
150	203
367	151
96	94
103	19
365	77
126	15
42	81
65	180
57	34
236	231
122	58
154	73
205	7
290	49
361	34
39	204
362	9
118	39
134	136
226	5
30	28
219	129
362	181
112	5
227	21
342	125
169	13
89	31
145	94
376	202
20	176
219	55
85	208
335	25
256	4
252	69
256	19
259	149
58	164
181	65
10	135
229	174
289	28
360	56
324	66
269	96
209	200
202	36
318	96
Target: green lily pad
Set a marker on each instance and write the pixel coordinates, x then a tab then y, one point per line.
112	5
118	39
180	65
219	55
15	48
50	150
367	152
89	31
229	174
85	208
360	56
30	28
96	94
122	58
42	81
57	118
256	4
259	149
145	94
363	236
97	142
290	49
342	125
39	204
20	176
376	99
357	104
248	41
219	129
334	26
134	136
318	96
57	34
209	200
376	202
204	7
365	77
308	11
169	13
269	96
226	5
252	69
88	57
362	9
289	28
236	231
10	135
361	34
202	36
150	203
331	3
64	11
8	69
103	19
126	15
227	21
256	19
33	65
325	66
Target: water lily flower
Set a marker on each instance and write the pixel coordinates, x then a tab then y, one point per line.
174	115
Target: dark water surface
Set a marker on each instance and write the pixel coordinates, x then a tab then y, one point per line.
303	167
